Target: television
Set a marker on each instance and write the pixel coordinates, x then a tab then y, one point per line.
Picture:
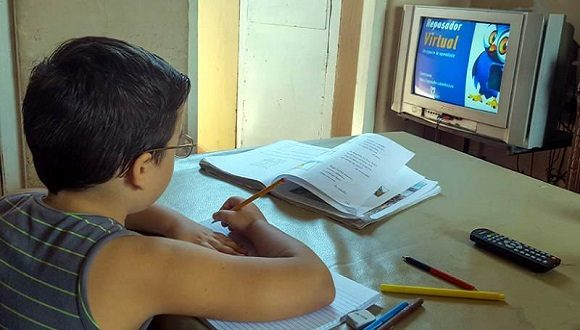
495	74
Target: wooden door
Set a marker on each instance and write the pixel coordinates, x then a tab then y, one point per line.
287	65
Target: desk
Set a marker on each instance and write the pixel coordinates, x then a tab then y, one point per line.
474	194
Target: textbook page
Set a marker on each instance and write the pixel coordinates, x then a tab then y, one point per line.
350	296
302	198
421	191
389	187
351	172
264	163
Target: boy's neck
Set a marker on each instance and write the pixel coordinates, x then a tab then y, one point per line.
96	201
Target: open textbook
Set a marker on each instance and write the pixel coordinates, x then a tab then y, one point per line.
357	183
350	296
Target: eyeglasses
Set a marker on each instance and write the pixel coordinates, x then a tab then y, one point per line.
183	149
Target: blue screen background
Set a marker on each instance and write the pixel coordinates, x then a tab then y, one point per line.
456	62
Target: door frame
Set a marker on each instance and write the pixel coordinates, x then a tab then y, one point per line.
11	154
368	66
192	51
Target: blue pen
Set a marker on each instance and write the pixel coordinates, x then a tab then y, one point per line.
386	316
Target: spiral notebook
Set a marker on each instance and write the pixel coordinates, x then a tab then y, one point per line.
350	296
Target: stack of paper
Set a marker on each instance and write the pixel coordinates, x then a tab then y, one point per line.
358	182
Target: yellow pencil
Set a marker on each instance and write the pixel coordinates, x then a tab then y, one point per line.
258	195
422	290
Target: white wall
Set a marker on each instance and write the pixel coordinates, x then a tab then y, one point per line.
158	26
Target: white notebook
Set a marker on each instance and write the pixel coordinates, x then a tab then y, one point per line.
350	296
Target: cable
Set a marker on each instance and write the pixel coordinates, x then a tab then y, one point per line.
553	175
532	165
561	175
550	166
437	132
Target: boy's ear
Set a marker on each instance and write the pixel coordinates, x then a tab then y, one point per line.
139	172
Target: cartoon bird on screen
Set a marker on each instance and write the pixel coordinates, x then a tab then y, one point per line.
488	68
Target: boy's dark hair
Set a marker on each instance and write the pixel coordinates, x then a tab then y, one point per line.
93	106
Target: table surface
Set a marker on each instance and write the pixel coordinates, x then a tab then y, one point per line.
436	231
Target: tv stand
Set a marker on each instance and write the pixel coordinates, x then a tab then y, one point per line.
561	139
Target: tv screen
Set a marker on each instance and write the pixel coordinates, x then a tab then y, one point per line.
461	62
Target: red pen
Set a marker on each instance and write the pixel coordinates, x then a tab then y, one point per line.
442	275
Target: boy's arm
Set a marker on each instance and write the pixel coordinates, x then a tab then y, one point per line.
162	221
170	277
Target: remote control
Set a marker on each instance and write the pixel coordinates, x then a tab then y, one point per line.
525	255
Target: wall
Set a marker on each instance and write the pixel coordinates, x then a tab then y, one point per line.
345	78
159	26
571	8
218	74
357	70
386	120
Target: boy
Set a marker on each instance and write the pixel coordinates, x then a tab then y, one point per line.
103	121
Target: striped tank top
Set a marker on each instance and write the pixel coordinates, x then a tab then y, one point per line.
44	260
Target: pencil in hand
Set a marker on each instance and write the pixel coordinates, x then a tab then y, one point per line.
256	196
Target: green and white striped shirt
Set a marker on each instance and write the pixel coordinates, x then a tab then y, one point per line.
44	259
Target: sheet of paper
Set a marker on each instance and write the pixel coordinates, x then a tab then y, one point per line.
354	170
411	196
264	163
391	187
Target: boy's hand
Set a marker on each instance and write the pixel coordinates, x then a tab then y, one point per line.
165	222
195	233
238	220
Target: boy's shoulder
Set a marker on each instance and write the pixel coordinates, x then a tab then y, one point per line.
13	203
47	252
27	220
21	195
31	204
